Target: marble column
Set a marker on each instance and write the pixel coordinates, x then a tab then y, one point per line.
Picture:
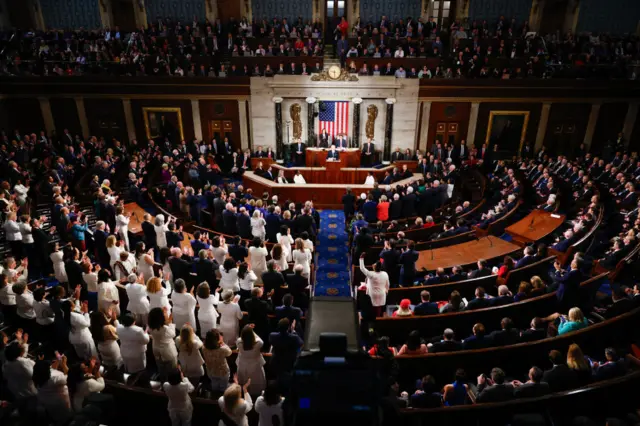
355	139
82	116
211	10
542	126
571	16
47	116
278	123
423	142
311	130
535	17
591	125
106	14
388	130
140	13
244	127
197	123
629	121
128	119
473	124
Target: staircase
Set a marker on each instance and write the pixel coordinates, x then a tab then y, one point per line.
330	58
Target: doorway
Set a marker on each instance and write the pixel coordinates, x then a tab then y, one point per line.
333	11
553	16
123	14
447	133
220	129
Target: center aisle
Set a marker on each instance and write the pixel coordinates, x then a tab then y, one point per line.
332	273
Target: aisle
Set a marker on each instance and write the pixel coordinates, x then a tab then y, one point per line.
332	274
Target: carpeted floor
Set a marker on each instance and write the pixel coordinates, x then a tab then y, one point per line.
332	273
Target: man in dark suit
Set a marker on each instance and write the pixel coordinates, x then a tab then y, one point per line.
426	307
409	203
325	140
297	285
149	232
613	367
292	313
285	344
613	256
504	297
272	279
621	304
40	264
229	219
348	202
395	208
341	142
332	154
100	236
368	153
269	174
258	311
174	238
479	340
260	153
305	222
480	301
534	387
397	156
181	266
508	335
300	149
494	389
447	344
560	377
567	285
482	271
527	259
206	270
243	222
537	331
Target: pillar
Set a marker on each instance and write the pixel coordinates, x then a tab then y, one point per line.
244	128
355	139
311	130
473	124
82	116
47	116
140	13
571	16
211	10
352	10
461	11
388	130
128	119
106	13
629	122
542	126
591	125
425	10
250	126
197	123
423	142
535	17
279	146
38	17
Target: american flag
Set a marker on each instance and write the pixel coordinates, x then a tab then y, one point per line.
335	118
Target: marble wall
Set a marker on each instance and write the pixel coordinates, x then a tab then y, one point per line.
286	116
263	113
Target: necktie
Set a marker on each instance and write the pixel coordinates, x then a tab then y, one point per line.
368	148
244	163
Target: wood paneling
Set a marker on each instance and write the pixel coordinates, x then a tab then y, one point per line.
106	118
185	108
221	111
566	127
229	9
610	122
25	115
65	115
449	112
534	110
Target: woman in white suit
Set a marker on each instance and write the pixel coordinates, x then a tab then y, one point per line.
163	333
184	305
80	333
285	240
138	302
207	313
377	285
250	361
230	314
189	355
302	256
122	223
161	231
133	344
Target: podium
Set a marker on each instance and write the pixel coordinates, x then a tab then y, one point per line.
317	157
266	162
333	170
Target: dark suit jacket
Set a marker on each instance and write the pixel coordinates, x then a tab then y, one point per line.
333	155
445	346
568	292
174	238
476	342
495	393
244	226
426	308
479	273
180	268
258	311
149	234
527	260
560	378
531	390
618	308
505	337
205	269
478	304
272	280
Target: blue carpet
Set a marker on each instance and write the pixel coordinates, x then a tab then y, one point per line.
332	273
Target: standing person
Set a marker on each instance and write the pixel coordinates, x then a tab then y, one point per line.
285	345
163	333
377	285
84	379
57	259
177	387
13	235
258	258
104	332
250	361
108	296
114	250
231	314
285	240
138	302
269	406
133	341
234	406
302	257
207	313
122	225
258	225
161	231
191	360
215	354
229	276
408	260
53	394
18	370
145	261
158	293
79	324
184	305
246	279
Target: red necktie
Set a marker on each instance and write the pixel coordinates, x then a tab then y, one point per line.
244	163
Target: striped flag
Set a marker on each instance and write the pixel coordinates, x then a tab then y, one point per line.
335	117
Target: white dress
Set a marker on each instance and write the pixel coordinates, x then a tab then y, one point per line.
281	263
160	299
145	268
53	396
138	302
80	336
230	316
229	280
59	270
128	267
191	363
122	222
184	305
219	253
257	227
107	294
285	241
110	351
258	261
133	347
114	254
84	389
207	313
164	346
250	366
377	285
161	236
303	257
266	412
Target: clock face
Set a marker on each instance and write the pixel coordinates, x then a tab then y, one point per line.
334	71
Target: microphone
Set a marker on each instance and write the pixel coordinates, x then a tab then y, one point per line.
431	248
531	224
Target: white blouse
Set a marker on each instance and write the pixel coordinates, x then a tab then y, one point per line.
247	282
229	280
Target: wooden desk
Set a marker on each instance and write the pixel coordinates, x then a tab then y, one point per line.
317	157
326	196
537	225
465	253
266	162
137	217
